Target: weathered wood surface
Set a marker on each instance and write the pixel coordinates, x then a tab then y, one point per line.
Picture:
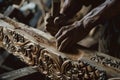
38	49
13	75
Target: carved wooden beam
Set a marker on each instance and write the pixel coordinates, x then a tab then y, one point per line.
37	48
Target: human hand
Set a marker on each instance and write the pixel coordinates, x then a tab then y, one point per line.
49	24
53	24
69	35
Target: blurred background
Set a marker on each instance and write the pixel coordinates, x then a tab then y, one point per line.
29	12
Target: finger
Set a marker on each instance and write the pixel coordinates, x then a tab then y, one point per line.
65	43
60	20
57	20
62	37
59	32
62	30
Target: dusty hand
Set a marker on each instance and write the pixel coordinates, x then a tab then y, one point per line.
70	35
49	23
53	24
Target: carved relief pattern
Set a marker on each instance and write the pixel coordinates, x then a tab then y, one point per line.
54	66
107	61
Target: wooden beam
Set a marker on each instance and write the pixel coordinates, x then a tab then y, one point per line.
13	75
37	48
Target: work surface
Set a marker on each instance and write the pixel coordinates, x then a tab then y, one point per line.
38	49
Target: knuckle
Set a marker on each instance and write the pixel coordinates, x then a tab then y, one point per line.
63	28
57	20
64	32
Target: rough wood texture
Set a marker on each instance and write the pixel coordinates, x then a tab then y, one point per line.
37	48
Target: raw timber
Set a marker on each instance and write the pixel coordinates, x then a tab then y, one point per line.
37	48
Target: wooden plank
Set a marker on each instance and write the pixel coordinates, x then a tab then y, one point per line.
38	49
3	57
17	73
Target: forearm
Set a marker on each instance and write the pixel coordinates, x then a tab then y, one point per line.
71	7
106	11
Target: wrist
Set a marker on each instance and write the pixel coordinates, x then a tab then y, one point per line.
91	21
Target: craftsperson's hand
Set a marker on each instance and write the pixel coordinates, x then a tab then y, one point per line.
49	23
53	24
69	35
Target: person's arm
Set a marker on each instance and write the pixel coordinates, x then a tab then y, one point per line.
71	7
106	11
71	34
